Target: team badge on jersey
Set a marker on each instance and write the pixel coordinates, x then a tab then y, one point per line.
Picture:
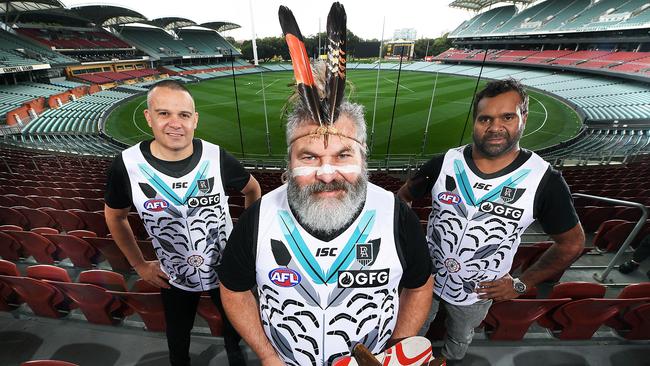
156	205
205	185
449	198
285	277
511	195
367	252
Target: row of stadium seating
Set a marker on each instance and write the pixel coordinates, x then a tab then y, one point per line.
627	62
556	16
81	116
73	39
15	51
13	96
111	76
626	100
603	145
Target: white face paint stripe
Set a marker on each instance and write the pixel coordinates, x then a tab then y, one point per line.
325	169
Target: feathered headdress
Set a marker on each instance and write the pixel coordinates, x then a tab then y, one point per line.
323	110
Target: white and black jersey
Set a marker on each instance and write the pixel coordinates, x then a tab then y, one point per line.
185	214
477	219
319	296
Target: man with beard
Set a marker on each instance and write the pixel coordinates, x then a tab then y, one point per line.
484	196
328	253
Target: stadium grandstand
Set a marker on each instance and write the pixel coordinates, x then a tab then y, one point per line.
72	89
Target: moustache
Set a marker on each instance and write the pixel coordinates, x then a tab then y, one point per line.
327	187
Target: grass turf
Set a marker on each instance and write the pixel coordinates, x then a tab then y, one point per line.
550	121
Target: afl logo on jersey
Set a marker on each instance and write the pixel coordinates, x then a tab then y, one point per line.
156	205
449	198
285	277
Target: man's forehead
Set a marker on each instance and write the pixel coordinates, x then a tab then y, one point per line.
502	103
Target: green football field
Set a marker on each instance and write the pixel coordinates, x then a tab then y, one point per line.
550	121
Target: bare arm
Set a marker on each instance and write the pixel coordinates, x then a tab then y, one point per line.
559	256
252	192
118	224
405	194
241	309
414	305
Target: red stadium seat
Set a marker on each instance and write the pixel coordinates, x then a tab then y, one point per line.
92	204
575	291
39	247
81	254
44	230
45	202
208	311
47	272
102	278
149	306
65	220
510	320
10	216
599	240
9	299
36	218
94	221
97	304
525	253
22	201
580	319
7	201
111	252
612	240
10	248
637	321
44	299
597	216
48	363
69	203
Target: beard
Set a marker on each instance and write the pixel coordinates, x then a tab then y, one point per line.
494	150
329	214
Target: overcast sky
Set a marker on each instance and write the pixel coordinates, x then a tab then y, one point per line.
430	18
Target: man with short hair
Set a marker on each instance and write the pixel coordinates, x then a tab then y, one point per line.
328	253
177	184
484	196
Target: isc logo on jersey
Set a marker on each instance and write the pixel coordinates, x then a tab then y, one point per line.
449	198
156	205
285	277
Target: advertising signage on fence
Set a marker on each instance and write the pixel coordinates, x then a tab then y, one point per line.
12	69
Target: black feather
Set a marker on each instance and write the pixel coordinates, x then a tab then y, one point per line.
336	61
288	22
280	252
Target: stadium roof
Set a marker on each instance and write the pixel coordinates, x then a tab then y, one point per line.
106	15
57	15
480	4
168	23
221	26
8	6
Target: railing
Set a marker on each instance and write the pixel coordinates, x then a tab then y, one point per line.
637	228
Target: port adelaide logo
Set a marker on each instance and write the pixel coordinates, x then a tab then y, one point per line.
366	255
511	195
205	185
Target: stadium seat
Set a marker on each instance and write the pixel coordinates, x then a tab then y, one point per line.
149	307
47	272
80	253
10	216
65	220
599	240
48	363
39	247
614	237
637	322
45	202
22	201
70	203
596	216
97	304
510	320
208	311
102	278
111	252
36	218
7	201
92	204
94	221
9	299
576	290
10	248
44	299
524	254
580	319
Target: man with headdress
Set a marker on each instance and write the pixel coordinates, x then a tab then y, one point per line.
328	251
